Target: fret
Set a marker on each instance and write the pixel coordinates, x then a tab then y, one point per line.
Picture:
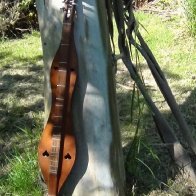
60	85
67	23
62	70
54	164
58	112
56	139
57	116
54	159
54	155
59	98
58	105
56	136
53	167
57	126
64	44
54	151
53	170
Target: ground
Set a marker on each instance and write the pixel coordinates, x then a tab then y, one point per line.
165	31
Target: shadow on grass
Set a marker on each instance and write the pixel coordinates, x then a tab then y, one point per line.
21	101
10	60
148	163
21	105
167	73
3	54
29	60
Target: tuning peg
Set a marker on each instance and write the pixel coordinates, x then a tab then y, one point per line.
63	9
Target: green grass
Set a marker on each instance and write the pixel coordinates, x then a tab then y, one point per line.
22	179
175	51
190	10
173	48
21	115
20	51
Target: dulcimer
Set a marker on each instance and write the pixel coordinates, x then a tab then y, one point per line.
57	146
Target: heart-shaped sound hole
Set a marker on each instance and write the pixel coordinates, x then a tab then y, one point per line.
67	156
45	154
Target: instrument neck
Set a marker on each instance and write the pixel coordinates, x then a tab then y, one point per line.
61	98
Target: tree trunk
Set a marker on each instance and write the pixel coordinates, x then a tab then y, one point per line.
99	168
50	23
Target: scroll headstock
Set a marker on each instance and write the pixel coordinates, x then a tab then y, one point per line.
69	9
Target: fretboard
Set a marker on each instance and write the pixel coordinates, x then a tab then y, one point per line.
54	155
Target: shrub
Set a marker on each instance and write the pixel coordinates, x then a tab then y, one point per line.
17	16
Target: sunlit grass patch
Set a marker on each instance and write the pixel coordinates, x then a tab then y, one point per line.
22	175
21	114
175	52
19	51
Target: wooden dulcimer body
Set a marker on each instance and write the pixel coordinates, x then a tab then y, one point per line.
57	148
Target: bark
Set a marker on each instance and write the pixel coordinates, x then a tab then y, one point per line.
50	24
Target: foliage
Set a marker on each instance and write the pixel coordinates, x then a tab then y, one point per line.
24	4
17	17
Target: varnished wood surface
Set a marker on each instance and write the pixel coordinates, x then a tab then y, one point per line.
57	147
65	129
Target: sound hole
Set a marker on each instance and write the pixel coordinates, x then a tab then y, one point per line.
67	156
45	154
